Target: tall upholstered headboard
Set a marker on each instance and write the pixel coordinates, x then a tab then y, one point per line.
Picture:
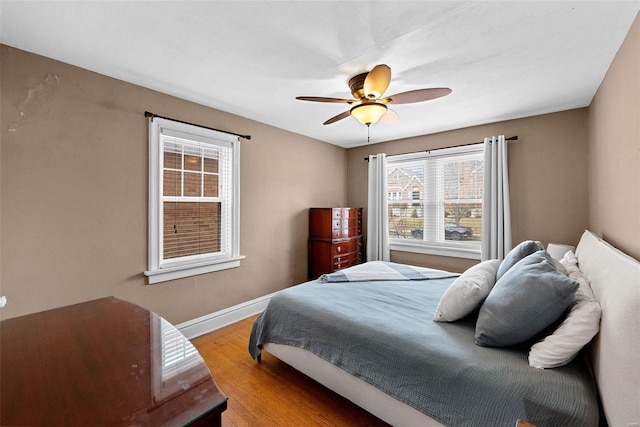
615	351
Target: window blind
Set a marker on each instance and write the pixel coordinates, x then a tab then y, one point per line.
196	198
436	196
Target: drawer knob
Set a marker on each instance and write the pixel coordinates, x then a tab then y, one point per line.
339	249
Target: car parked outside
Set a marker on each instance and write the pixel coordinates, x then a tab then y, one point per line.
452	231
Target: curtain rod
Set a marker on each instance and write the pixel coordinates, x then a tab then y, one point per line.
152	115
511	138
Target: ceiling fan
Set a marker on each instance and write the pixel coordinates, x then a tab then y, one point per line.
367	90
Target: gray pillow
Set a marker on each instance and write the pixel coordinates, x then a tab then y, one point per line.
529	297
524	249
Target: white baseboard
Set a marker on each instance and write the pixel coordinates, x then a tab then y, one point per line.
220	319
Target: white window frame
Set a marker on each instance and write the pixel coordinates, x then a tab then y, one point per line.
468	250
161	270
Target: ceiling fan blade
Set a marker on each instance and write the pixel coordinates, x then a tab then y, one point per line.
417	95
323	99
338	117
390	117
377	81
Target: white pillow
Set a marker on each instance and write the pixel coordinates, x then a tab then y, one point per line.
576	330
467	292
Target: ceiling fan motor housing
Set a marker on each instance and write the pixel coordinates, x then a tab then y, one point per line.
356	84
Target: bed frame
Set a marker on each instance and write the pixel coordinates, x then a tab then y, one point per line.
613	354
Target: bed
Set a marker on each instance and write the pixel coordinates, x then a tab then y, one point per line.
375	342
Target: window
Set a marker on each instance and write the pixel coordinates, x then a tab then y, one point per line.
438	209
193	200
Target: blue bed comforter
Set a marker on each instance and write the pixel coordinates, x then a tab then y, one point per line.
383	333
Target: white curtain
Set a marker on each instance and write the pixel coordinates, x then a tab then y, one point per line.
496	210
377	213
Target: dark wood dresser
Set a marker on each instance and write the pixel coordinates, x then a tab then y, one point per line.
335	239
103	363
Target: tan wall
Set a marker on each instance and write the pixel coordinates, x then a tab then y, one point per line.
547	172
74	194
614	149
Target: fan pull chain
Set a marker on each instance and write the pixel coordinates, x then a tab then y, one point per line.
368	128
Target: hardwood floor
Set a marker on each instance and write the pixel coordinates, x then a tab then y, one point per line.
271	393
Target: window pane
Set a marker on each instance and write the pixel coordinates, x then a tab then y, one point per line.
191	228
171	183
406	220
211	165
172	160
462	182
192	183
192	162
405	190
210	185
463	179
463	221
210	227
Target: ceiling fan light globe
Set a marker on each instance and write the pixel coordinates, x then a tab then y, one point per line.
369	114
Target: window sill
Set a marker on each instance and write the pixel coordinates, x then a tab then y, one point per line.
448	251
178	272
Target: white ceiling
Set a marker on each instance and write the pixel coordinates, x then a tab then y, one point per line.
503	59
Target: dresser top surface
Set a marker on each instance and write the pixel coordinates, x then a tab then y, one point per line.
105	361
